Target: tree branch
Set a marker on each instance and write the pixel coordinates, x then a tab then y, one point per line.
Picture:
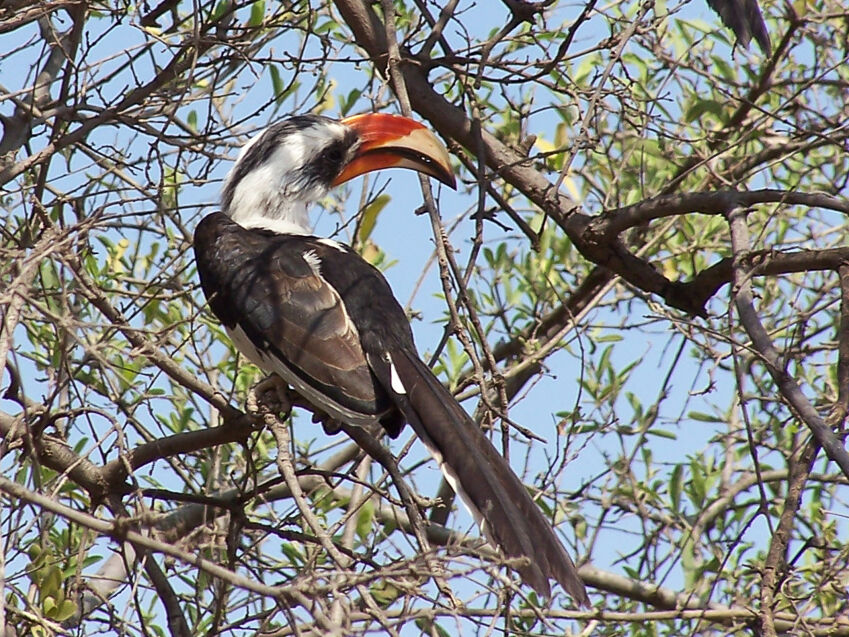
762	344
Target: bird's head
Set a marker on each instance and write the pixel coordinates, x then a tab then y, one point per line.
293	163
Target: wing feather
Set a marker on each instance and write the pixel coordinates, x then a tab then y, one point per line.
289	320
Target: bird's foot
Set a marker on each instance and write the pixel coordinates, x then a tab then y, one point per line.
330	425
270	395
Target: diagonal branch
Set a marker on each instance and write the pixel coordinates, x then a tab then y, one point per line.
800	470
510	164
761	342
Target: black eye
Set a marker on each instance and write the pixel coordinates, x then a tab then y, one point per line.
333	157
329	162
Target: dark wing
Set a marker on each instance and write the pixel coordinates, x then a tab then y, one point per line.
268	291
745	19
497	499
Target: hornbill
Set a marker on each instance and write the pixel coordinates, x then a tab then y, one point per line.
312	311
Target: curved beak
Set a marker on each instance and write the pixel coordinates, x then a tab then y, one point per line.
392	141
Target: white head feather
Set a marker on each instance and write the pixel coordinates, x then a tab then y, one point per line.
283	170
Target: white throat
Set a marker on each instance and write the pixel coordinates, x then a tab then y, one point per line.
268	209
259	202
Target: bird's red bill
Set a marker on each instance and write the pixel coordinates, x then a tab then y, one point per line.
392	141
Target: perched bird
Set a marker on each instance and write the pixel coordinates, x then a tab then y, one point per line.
312	311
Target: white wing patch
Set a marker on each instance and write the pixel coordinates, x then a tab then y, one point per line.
330	243
313	261
394	378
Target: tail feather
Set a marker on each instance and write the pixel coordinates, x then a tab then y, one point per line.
480	475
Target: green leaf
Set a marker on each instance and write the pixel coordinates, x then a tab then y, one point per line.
384	593
608	338
688	562
276	83
348	102
51	582
220	9
365	518
704	107
257	13
675	488
293	552
370	214
723	67
698	488
64	610
697	415
662	433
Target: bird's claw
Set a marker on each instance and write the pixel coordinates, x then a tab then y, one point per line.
271	394
330	425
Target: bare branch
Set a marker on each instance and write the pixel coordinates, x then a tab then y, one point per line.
788	387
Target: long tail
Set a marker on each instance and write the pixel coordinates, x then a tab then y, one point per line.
481	476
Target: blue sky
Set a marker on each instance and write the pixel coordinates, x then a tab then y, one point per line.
408	243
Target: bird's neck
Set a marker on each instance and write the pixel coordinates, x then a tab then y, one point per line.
256	205
293	220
